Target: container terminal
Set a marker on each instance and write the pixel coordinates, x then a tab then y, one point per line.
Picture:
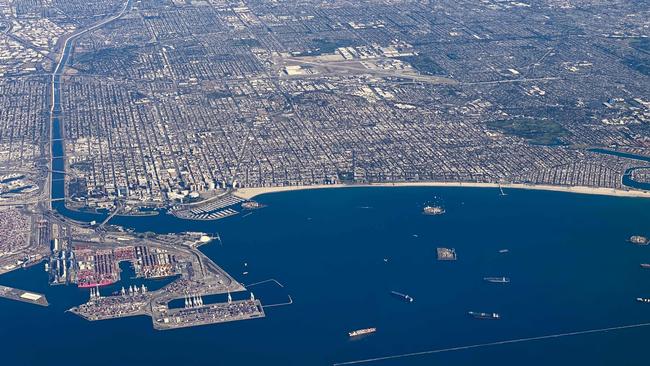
91	261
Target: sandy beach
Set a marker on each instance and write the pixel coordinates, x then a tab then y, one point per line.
249	193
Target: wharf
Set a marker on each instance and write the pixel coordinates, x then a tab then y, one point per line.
22	295
208	314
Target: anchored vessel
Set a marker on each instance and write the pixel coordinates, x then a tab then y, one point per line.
359	332
497	279
405	297
484	315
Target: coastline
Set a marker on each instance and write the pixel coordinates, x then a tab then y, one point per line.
249	193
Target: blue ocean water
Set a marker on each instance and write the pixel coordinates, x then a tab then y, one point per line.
570	266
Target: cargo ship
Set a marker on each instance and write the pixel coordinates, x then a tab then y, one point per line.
645	265
484	315
497	279
643	299
361	332
404	297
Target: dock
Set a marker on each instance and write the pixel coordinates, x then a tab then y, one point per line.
24	296
208	314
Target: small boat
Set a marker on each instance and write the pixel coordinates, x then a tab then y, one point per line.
497	279
404	297
645	265
643	299
478	315
245	273
503	251
361	332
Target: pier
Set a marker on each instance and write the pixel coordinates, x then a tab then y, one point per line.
24	296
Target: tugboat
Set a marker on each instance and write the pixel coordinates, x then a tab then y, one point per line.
360	332
477	315
404	297
497	279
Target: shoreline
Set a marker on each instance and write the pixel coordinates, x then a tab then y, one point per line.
249	193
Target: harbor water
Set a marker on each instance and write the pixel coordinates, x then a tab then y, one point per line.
339	253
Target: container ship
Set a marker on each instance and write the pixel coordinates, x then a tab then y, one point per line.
103	282
484	315
404	297
360	332
497	279
643	299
